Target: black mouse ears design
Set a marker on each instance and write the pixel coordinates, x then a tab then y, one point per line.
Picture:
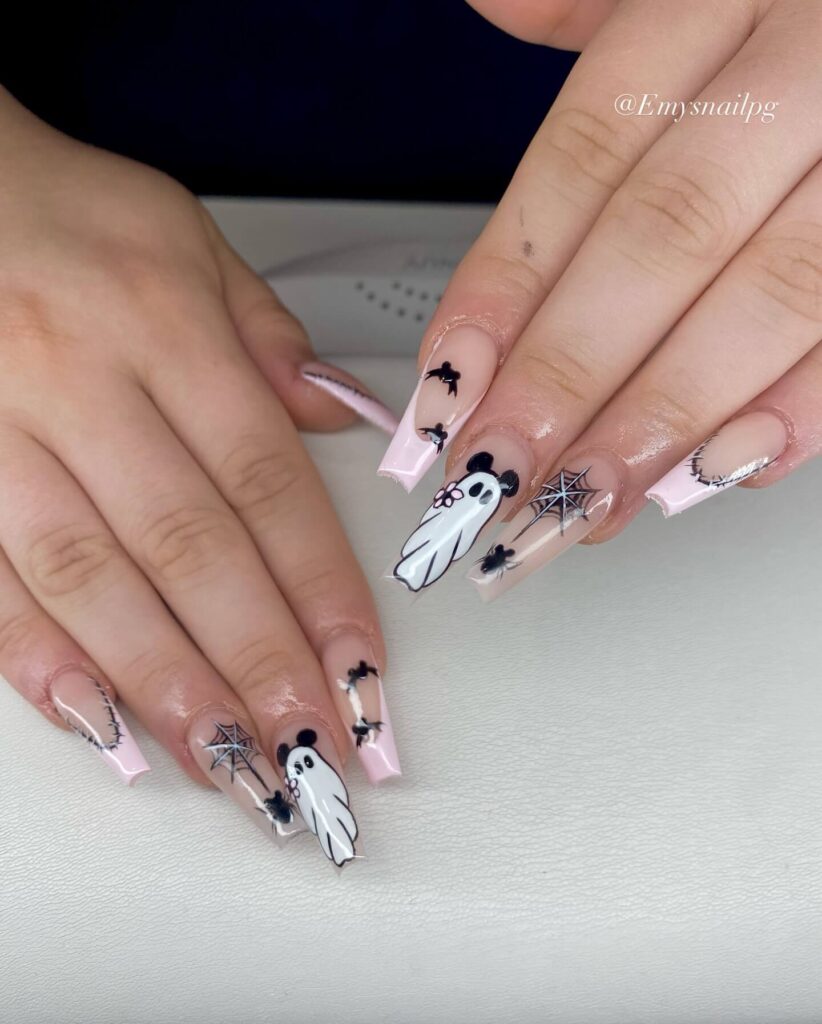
480	463
509	483
483	462
305	738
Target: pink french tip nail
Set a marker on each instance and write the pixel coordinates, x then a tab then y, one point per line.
315	787
481	492
452	384
566	508
736	452
350	392
229	754
357	689
83	703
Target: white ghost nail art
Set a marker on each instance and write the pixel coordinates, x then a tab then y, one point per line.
320	796
452	522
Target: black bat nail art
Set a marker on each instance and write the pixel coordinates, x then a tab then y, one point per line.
436	435
447	374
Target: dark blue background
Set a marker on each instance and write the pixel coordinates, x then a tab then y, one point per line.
411	99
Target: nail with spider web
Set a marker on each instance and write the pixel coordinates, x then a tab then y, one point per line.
231	757
570	502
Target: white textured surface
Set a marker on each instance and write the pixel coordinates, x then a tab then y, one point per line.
612	809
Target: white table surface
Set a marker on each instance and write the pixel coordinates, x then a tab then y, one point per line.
611	812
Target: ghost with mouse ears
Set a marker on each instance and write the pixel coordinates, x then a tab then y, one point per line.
320	795
452	522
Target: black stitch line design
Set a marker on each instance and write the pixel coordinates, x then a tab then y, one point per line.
114	722
736	477
340	383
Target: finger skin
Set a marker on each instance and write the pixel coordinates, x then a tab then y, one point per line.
180	532
667	233
278	344
105	614
566	24
581	154
761	317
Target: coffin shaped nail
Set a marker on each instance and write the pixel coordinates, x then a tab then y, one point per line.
357	690
315	786
481	492
453	382
566	508
351	393
86	707
229	754
736	452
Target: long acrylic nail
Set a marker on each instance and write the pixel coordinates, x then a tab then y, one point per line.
567	507
351	393
229	754
454	380
739	450
357	690
84	705
314	784
482	490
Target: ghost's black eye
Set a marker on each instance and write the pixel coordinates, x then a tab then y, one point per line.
475	489
309	761
298	768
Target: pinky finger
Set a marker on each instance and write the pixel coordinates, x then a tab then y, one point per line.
43	663
769	438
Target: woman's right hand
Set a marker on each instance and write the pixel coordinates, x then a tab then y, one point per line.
163	530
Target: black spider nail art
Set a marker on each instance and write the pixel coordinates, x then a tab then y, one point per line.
498	561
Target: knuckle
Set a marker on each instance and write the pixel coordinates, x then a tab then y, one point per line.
314	586
260	667
151	672
19	636
786	268
589	150
187	542
665	217
666	414
558	375
257	480
71	560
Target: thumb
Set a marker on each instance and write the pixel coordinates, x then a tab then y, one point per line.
318	396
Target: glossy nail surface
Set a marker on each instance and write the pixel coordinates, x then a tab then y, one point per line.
357	690
482	490
314	784
565	509
453	382
229	754
351	393
85	706
739	450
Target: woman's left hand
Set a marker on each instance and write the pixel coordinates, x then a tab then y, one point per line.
653	283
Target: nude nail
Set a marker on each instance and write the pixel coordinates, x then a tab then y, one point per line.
86	707
736	452
357	689
480	492
351	393
566	508
316	788
229	754
453	382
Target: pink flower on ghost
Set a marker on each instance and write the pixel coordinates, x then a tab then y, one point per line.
447	495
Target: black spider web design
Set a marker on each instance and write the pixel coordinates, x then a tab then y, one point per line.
114	722
566	496
235	749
